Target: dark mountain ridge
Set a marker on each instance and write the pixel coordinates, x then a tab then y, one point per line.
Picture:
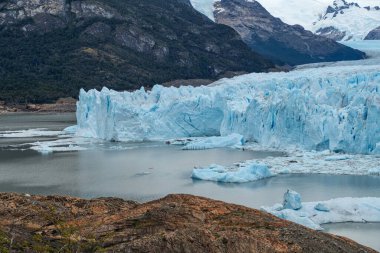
52	48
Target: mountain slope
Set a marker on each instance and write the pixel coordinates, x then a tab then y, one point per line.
51	48
276	40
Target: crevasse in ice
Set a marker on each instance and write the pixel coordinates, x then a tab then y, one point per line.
336	108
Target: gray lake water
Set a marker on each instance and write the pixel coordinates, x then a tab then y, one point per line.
364	233
153	170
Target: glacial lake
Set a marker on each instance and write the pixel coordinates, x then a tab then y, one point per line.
147	171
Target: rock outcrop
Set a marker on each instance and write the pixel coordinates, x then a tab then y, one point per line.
374	34
176	223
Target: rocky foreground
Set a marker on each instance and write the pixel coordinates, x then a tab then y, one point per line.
176	223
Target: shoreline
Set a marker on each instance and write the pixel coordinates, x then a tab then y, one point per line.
62	105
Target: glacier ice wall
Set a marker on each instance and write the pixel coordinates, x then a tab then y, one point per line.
336	108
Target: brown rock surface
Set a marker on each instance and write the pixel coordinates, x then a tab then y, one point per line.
176	223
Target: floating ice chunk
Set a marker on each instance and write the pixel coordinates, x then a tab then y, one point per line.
284	171
322	207
337	158
232	140
305	162
374	171
42	148
340	210
71	129
278	207
292	200
145	173
61	145
299	218
36	132
240	174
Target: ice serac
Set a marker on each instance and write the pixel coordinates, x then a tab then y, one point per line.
335	108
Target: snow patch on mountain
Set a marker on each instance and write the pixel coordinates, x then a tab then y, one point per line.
206	7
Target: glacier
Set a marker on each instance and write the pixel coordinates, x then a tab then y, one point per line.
314	214
333	108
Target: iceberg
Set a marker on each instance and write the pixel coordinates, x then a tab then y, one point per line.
335	108
314	214
321	207
239	174
232	140
292	200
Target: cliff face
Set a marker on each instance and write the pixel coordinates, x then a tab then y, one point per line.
51	48
176	223
271	37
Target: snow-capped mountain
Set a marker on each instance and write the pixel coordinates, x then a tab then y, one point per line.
347	21
271	37
339	19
